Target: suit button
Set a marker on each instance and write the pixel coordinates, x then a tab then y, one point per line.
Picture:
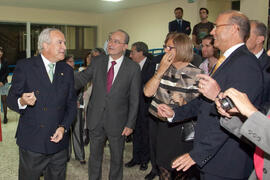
264	170
41	126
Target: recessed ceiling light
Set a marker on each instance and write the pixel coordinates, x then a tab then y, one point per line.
112	0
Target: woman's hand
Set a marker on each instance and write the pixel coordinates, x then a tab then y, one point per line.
165	63
178	98
241	102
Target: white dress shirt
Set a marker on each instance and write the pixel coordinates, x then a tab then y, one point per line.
116	66
142	62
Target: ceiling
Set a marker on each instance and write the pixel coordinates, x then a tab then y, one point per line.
96	6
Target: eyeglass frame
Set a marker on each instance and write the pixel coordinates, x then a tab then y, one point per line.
115	41
169	48
220	25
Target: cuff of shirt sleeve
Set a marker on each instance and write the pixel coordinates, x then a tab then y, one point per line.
20	106
170	119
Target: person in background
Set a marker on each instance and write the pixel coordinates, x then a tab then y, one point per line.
201	29
173	84
97	51
255	42
3	83
210	53
78	124
179	25
42	91
140	155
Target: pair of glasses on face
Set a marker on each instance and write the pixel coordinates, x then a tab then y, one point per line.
220	25
115	41
169	48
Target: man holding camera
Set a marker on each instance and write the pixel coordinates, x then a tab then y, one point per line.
216	152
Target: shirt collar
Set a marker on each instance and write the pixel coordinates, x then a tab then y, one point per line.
229	51
142	62
46	61
118	61
259	53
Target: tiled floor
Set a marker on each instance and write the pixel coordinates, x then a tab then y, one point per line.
75	171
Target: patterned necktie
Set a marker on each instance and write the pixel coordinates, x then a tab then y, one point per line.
219	62
110	76
50	73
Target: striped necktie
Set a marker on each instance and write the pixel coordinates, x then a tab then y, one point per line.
50	73
219	62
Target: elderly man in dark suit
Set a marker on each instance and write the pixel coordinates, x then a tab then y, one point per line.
218	154
255	42
42	91
141	156
179	25
113	106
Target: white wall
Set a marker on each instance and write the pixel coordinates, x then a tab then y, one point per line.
255	9
149	23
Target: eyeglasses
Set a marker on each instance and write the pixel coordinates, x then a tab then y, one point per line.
115	41
169	48
216	26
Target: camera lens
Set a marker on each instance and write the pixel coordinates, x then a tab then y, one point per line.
226	103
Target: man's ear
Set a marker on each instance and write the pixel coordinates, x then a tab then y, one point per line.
260	39
125	47
45	46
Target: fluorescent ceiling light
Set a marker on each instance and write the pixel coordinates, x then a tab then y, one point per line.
112	0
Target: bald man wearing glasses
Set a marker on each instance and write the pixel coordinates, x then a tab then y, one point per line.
113	105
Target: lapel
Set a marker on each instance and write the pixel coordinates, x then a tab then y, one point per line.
121	73
41	73
227	61
263	60
58	74
145	70
103	69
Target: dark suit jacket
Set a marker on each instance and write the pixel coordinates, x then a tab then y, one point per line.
215	150
118	108
146	74
4	72
174	26
264	61
55	105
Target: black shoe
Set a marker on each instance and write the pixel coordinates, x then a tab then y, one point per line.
129	139
143	166
131	163
150	176
5	120
82	162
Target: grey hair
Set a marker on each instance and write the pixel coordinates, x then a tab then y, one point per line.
141	46
260	28
45	37
242	21
122	31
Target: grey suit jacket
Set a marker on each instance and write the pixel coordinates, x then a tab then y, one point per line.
118	108
255	129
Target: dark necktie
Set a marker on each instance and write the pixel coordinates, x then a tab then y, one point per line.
180	24
110	76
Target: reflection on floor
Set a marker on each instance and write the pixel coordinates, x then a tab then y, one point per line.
76	171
